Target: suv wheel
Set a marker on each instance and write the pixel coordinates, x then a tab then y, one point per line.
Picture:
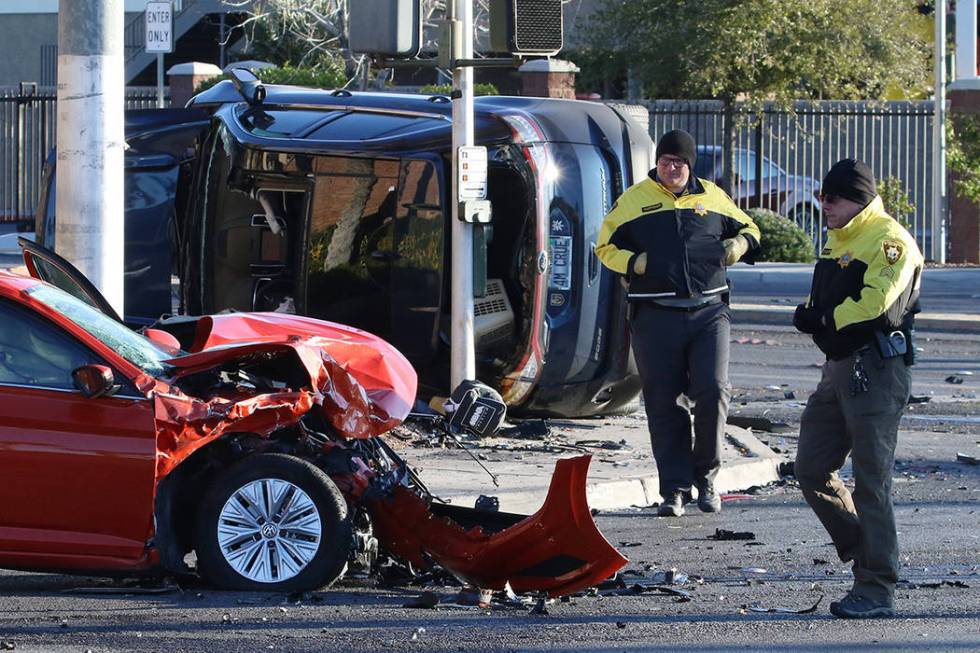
807	217
273	522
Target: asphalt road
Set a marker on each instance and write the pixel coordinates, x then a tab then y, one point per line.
789	565
765	356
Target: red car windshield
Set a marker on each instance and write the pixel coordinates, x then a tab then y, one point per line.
138	350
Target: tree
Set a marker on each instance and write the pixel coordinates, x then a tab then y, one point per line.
313	33
963	138
765	50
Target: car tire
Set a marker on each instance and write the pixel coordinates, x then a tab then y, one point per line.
240	540
807	217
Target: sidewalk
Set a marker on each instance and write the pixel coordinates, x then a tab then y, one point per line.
782	314
767	293
618	477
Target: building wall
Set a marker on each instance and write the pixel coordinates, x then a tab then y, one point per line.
51	6
21	39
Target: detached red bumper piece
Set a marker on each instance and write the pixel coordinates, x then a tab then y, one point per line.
558	549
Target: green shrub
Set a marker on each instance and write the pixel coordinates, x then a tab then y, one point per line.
446	89
782	239
329	77
896	200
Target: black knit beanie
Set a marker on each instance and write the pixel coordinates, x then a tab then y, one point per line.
852	180
678	143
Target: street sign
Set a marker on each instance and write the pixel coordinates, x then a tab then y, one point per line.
159	27
472	182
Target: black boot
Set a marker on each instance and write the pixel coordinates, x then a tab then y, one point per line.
672	505
708	498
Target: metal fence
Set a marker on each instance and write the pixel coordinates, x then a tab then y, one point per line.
798	147
27	135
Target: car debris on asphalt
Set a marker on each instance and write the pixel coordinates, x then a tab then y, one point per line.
758	424
722	534
967	459
755	608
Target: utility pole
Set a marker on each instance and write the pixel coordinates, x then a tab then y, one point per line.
938	253
463	357
90	142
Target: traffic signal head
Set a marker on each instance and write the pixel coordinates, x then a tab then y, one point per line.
526	26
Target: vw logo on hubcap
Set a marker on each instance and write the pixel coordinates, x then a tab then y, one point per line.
269	530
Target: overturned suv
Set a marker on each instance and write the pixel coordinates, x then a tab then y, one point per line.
252	439
337	206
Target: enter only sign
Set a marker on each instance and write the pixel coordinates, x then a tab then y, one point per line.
159	27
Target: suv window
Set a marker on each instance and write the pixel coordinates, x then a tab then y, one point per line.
376	245
34	352
351	240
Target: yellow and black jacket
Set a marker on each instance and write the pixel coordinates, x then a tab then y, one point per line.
866	280
681	235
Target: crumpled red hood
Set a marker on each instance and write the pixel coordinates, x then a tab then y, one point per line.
363	385
381	370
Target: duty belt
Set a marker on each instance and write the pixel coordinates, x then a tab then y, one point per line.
709	301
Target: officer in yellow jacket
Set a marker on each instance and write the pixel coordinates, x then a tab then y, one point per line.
671	236
860	310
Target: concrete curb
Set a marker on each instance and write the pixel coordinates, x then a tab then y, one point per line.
783	315
757	466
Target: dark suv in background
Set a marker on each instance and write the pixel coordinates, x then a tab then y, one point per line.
336	205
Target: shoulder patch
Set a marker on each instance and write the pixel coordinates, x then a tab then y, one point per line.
893	251
699	209
652	207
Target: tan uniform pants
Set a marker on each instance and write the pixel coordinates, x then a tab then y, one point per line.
834	423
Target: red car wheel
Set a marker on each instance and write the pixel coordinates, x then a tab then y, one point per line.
273	522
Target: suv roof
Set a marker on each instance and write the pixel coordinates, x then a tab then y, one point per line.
412	121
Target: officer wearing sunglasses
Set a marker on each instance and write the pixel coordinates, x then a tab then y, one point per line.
862	300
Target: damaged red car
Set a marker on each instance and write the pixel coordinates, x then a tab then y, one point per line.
253	440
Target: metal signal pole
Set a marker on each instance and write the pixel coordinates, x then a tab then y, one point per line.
463	357
938	253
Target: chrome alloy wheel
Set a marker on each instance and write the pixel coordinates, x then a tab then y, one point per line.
269	530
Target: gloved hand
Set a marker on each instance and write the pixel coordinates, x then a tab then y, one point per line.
640	264
809	319
735	248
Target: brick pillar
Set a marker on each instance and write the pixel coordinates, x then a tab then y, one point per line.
549	78
184	78
964	215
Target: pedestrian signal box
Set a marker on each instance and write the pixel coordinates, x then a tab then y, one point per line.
391	28
526	26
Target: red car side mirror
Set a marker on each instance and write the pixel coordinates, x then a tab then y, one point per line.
93	380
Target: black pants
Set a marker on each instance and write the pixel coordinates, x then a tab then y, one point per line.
682	358
834	423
